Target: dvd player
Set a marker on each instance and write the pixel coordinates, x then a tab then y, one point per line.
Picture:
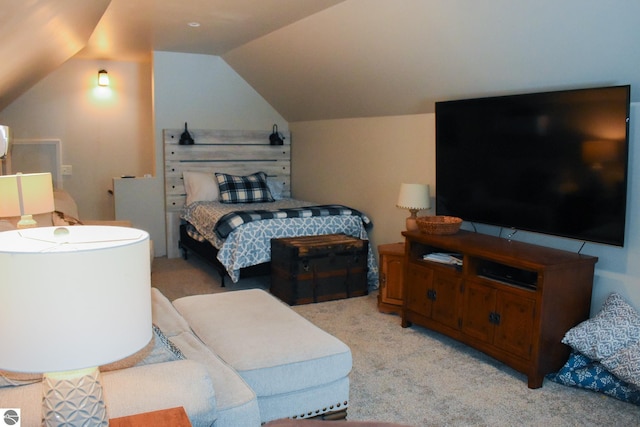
511	275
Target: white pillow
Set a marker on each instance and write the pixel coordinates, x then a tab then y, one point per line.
200	186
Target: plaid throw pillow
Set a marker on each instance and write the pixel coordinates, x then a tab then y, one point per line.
244	189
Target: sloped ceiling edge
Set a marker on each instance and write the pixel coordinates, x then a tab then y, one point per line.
367	58
40	36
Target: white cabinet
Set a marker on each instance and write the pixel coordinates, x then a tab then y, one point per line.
141	201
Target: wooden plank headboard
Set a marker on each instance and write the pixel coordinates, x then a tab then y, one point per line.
237	152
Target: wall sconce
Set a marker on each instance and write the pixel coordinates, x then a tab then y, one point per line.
103	78
276	138
185	137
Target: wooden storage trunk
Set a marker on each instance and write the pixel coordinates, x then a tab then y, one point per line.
318	268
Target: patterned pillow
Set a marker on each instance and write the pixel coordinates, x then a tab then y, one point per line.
60	219
625	364
615	327
163	350
244	189
15	379
582	372
159	350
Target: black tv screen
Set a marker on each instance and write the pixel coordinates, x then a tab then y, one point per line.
552	162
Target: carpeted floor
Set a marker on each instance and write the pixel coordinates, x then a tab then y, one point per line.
416	376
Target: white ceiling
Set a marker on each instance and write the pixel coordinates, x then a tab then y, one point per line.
325	59
378	57
131	29
37	36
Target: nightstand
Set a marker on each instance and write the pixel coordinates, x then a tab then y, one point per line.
391	276
174	417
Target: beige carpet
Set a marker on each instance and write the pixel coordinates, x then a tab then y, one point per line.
416	376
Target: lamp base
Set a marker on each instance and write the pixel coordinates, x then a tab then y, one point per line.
26	221
73	398
412	225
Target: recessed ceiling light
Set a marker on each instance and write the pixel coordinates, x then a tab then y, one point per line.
193	24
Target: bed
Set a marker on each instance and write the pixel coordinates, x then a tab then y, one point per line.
194	202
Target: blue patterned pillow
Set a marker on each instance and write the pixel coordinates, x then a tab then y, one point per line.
244	189
615	327
582	372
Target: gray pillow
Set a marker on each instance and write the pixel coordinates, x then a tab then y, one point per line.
625	364
615	327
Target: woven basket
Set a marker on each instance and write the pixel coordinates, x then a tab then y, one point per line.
438	224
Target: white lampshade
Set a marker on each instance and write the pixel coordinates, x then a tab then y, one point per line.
414	196
26	194
73	300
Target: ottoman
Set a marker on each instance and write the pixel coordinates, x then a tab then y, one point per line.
296	369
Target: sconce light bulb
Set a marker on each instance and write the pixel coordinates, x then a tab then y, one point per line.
103	78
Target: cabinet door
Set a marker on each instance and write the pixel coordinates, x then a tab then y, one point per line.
515	327
478	304
392	273
445	304
418	284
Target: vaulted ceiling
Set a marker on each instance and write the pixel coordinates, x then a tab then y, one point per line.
325	59
36	37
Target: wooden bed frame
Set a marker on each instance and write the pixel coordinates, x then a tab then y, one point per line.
237	152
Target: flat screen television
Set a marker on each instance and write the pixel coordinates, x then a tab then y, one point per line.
552	162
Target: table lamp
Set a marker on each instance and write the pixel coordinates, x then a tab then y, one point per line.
5	140
414	197
26	195
73	299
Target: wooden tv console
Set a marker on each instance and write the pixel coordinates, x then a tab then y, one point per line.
511	300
